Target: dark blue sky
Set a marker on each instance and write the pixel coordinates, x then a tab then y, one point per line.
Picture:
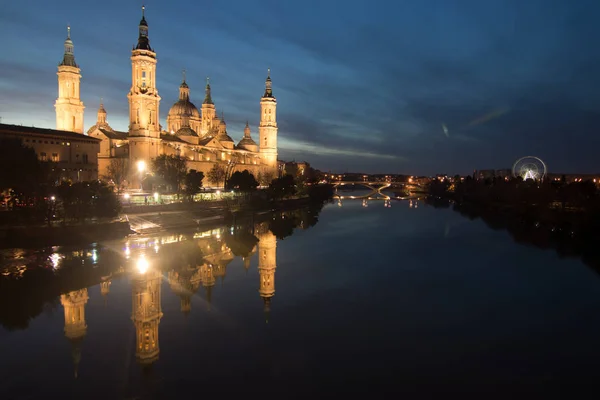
419	86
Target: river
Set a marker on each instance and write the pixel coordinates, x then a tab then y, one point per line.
386	298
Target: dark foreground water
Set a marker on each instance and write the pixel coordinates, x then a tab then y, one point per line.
388	301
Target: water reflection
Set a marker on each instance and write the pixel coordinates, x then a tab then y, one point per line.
146	312
192	264
75	327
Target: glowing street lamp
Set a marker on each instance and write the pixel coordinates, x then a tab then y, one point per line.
141	166
142	264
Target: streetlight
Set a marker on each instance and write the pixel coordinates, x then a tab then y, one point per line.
142	264
141	166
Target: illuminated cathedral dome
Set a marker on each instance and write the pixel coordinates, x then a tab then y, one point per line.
184	108
186	131
247	143
223	137
184	113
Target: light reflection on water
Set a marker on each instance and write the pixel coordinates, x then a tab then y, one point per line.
373	296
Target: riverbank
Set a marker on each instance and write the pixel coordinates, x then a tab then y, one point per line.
569	233
43	236
146	219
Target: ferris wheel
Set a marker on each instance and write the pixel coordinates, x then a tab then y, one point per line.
530	167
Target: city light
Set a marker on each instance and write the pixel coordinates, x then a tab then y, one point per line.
141	166
155	196
142	264
126	196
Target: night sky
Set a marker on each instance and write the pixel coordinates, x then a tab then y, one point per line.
418	87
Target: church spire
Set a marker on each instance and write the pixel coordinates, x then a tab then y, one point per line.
184	89
207	97
268	88
143	41
69	56
101	113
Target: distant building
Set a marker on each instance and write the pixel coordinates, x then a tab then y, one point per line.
484	174
75	154
569	178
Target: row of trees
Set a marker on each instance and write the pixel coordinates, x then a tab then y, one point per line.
580	196
169	174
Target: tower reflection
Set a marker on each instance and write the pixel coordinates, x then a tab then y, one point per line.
147	312
267	263
75	327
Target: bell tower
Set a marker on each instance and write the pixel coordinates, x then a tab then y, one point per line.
69	107
208	110
267	129
267	263
144	130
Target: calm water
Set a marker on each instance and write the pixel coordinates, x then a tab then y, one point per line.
392	300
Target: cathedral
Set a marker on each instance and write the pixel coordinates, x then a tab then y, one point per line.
198	135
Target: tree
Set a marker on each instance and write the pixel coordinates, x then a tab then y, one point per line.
171	169
82	200
193	183
216	175
117	171
243	181
282	187
20	170
265	177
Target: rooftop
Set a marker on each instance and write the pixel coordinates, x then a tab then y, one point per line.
20	129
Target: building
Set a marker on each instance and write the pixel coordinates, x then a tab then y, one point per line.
75	155
484	174
201	136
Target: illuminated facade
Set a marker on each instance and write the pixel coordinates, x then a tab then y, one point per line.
69	107
146	314
198	135
74	156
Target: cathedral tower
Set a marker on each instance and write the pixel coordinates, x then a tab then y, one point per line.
208	111
69	107
267	129
144	130
267	263
75	327
146	315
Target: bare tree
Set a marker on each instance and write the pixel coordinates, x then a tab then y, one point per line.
217	174
265	177
117	171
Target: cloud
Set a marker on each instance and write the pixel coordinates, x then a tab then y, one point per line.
362	86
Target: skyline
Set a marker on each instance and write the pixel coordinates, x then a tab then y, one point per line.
421	88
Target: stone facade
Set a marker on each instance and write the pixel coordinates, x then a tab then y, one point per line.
75	155
198	135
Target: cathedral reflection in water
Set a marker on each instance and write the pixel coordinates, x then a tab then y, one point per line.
197	263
